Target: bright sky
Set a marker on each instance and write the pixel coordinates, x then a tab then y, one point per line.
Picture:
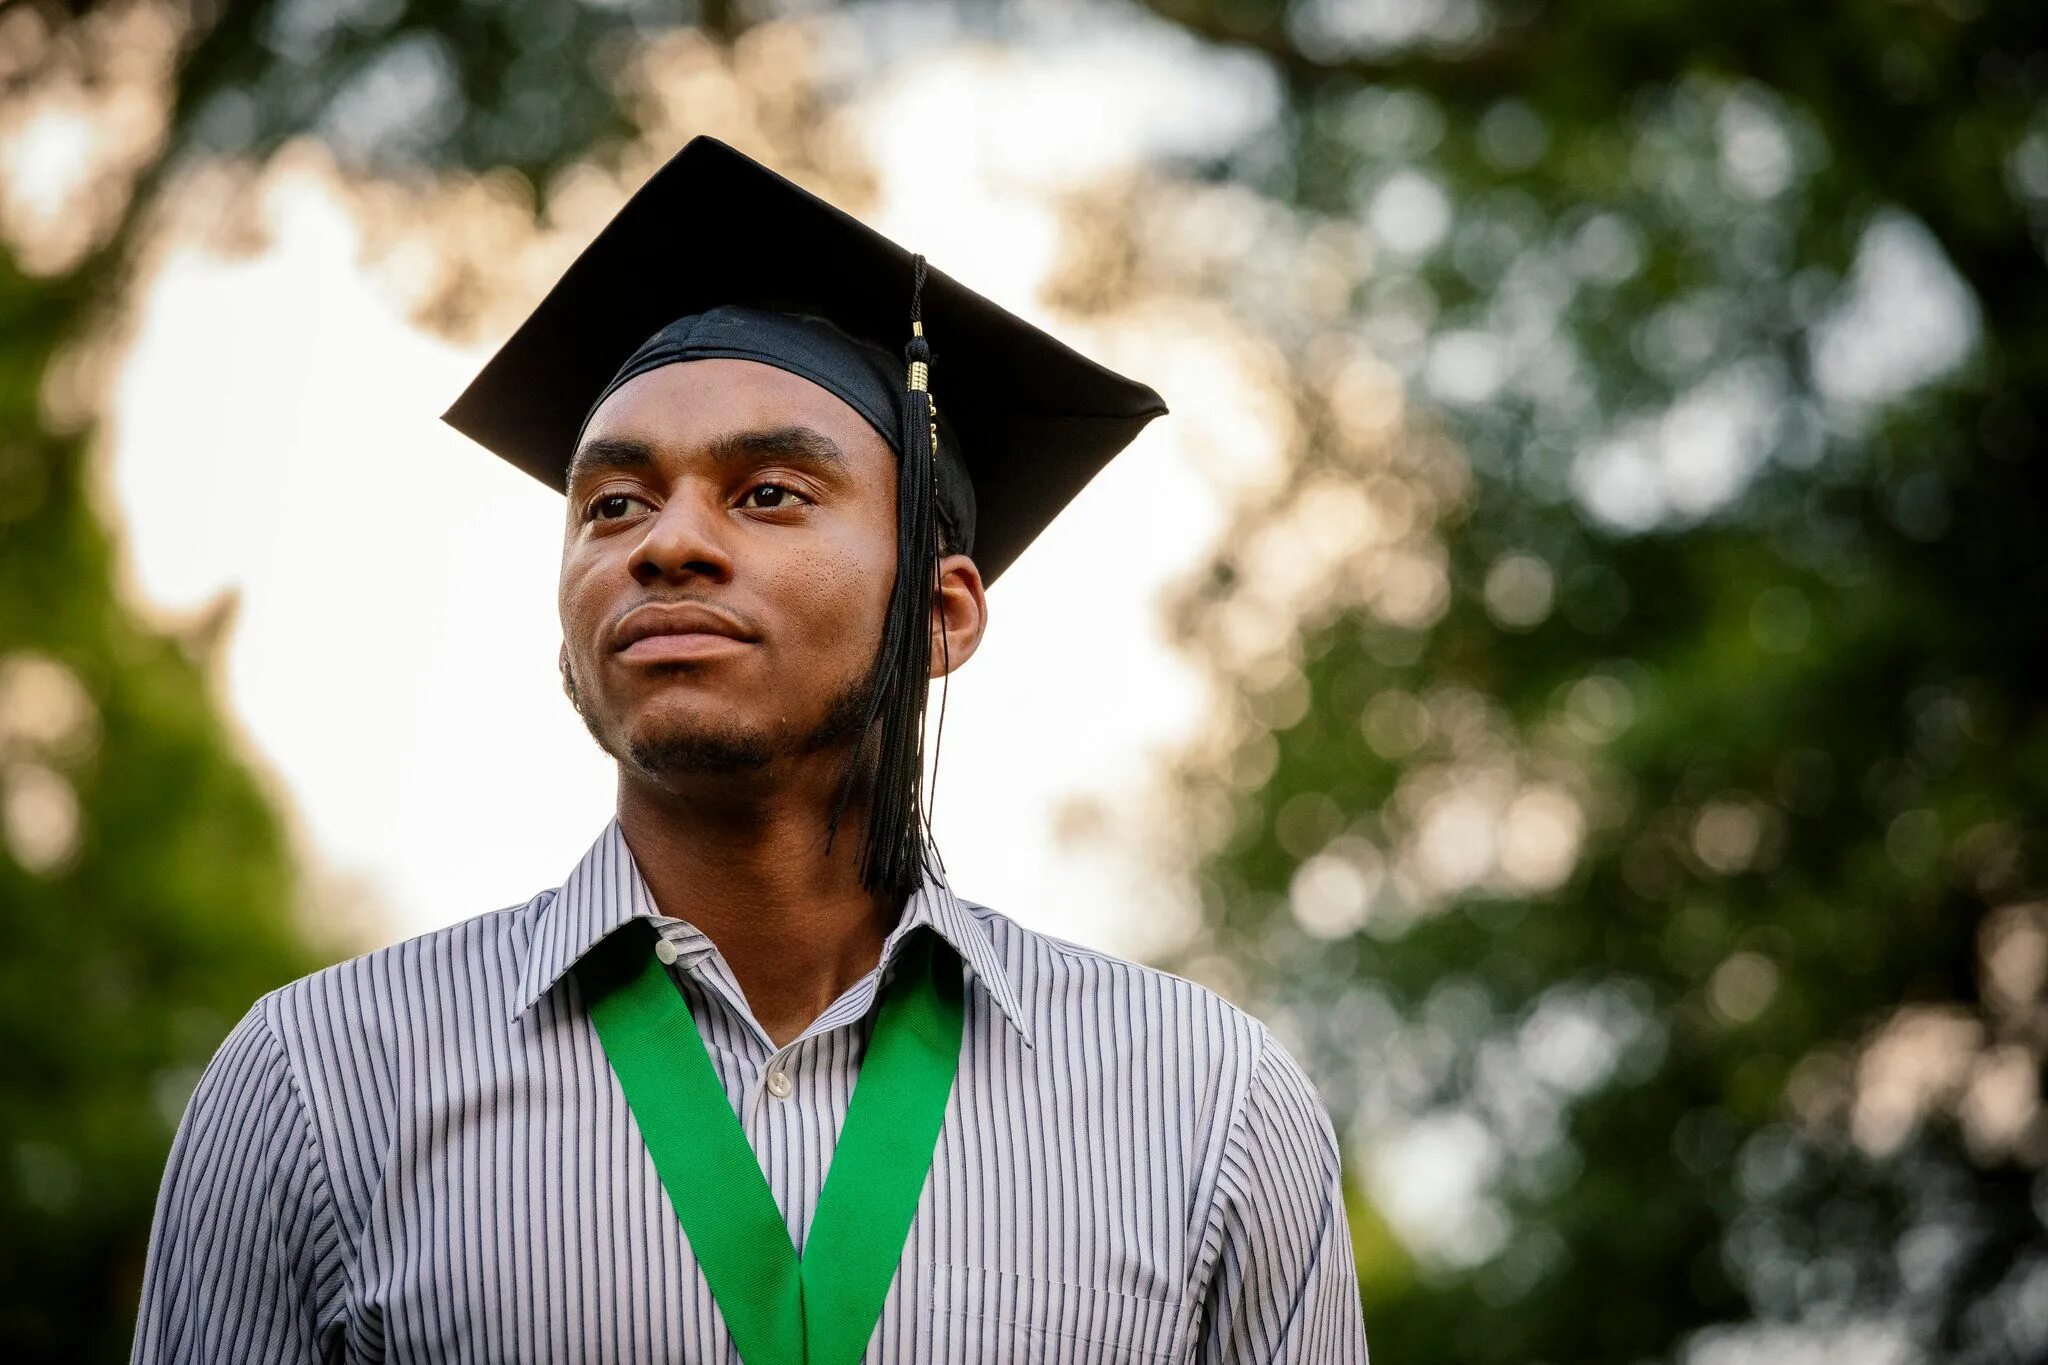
276	431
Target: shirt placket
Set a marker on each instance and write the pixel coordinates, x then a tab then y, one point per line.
789	1107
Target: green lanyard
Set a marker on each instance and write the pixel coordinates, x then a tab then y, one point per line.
780	1309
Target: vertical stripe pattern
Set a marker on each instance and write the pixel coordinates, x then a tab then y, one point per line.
421	1155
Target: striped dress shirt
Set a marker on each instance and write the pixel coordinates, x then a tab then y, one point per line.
421	1154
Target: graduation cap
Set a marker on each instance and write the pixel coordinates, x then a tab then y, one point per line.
996	424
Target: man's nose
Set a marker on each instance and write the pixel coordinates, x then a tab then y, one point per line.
689	535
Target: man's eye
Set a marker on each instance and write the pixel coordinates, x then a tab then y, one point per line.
783	489
596	512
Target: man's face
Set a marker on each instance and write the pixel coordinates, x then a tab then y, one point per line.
737	487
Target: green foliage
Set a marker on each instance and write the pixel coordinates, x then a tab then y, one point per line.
147	891
147	886
1770	1053
1796	712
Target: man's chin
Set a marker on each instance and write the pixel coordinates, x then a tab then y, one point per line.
694	751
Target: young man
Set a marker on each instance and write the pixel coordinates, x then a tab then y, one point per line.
753	1084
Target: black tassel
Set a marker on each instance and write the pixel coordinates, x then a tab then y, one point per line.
894	851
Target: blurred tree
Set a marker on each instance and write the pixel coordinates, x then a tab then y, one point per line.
1641	827
1635	809
147	880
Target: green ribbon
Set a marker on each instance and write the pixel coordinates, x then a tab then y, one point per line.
781	1309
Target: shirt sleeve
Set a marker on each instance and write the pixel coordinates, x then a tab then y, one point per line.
1285	1283
244	1246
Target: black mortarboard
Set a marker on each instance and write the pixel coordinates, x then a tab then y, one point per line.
718	255
1036	420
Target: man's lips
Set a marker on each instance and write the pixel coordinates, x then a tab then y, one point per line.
659	632
675	648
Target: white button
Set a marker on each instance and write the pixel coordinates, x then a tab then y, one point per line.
666	951
779	1085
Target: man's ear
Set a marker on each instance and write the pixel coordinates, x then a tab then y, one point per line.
959	614
568	682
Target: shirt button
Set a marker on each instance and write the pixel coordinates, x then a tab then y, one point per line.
666	952
779	1084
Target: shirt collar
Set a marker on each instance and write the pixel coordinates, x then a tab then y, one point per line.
605	890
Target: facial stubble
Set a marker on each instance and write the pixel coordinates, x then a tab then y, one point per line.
732	749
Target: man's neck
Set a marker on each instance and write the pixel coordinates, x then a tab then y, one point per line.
793	923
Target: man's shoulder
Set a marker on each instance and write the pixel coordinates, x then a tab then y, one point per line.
1102	984
461	966
1097	998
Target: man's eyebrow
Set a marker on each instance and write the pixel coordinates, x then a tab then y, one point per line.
607	454
799	444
